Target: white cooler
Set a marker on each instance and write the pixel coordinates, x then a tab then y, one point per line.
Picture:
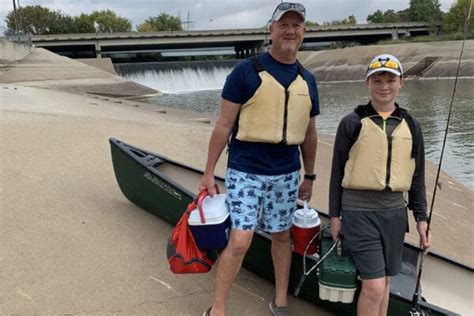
214	233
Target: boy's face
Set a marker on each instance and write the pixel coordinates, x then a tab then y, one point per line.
384	87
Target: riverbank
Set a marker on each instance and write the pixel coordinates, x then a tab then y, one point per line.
420	60
71	242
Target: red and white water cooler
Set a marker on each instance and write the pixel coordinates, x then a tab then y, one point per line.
306	224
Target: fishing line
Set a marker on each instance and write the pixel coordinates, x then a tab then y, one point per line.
415	300
306	273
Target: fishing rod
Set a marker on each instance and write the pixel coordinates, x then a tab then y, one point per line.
415	309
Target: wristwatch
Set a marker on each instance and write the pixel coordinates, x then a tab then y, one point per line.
311	177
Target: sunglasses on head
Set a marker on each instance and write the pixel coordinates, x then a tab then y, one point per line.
288	5
386	63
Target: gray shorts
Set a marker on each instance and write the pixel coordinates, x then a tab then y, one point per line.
375	240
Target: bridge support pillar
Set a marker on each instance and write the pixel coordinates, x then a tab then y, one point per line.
246	51
394	34
254	51
240	52
263	47
98	52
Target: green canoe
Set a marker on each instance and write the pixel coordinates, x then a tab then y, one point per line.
165	187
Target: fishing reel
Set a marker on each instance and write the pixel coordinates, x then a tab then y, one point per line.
417	311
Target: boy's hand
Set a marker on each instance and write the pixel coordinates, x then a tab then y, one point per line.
335	227
425	235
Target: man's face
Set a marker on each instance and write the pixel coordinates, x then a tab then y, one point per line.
287	33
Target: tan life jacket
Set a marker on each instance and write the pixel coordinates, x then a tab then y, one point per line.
373	154
275	115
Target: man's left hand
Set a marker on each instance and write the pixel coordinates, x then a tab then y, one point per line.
306	190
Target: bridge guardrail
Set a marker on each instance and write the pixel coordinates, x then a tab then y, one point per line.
20	38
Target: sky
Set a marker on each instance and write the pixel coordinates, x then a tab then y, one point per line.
218	14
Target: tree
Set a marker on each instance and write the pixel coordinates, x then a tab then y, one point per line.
84	23
311	23
404	15
145	27
162	22
350	20
425	11
62	24
108	21
40	20
376	17
35	19
389	16
456	17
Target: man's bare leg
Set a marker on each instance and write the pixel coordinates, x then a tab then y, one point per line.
281	255
228	266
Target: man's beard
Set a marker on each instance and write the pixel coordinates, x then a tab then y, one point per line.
289	47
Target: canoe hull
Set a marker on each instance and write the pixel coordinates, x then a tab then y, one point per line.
144	180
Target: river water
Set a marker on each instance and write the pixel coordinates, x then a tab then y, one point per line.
427	100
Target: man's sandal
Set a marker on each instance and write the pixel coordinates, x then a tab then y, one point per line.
208	312
278	310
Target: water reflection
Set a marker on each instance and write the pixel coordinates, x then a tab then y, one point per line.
427	100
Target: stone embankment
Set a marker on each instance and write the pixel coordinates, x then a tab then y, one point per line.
38	67
420	60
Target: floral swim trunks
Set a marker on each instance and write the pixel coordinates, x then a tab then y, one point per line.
276	196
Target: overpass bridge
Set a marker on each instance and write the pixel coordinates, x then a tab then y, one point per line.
244	42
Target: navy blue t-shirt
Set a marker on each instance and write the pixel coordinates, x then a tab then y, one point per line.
240	86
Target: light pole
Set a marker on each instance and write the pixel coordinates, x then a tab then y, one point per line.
16	20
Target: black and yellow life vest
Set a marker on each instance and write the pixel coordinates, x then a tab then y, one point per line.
377	161
275	114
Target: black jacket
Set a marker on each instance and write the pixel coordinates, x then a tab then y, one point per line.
347	134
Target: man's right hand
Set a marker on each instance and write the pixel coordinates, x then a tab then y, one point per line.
335	227
208	183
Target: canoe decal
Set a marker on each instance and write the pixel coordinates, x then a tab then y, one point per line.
164	186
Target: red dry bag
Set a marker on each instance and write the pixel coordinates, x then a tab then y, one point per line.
183	254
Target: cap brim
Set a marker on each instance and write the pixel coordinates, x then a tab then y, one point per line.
281	13
391	70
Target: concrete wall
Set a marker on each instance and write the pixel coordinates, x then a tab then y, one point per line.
104	64
10	52
351	63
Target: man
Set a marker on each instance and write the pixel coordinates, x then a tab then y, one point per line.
378	156
268	110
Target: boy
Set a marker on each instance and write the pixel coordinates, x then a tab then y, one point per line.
378	155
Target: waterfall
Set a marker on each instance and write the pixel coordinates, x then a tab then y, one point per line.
180	77
181	81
